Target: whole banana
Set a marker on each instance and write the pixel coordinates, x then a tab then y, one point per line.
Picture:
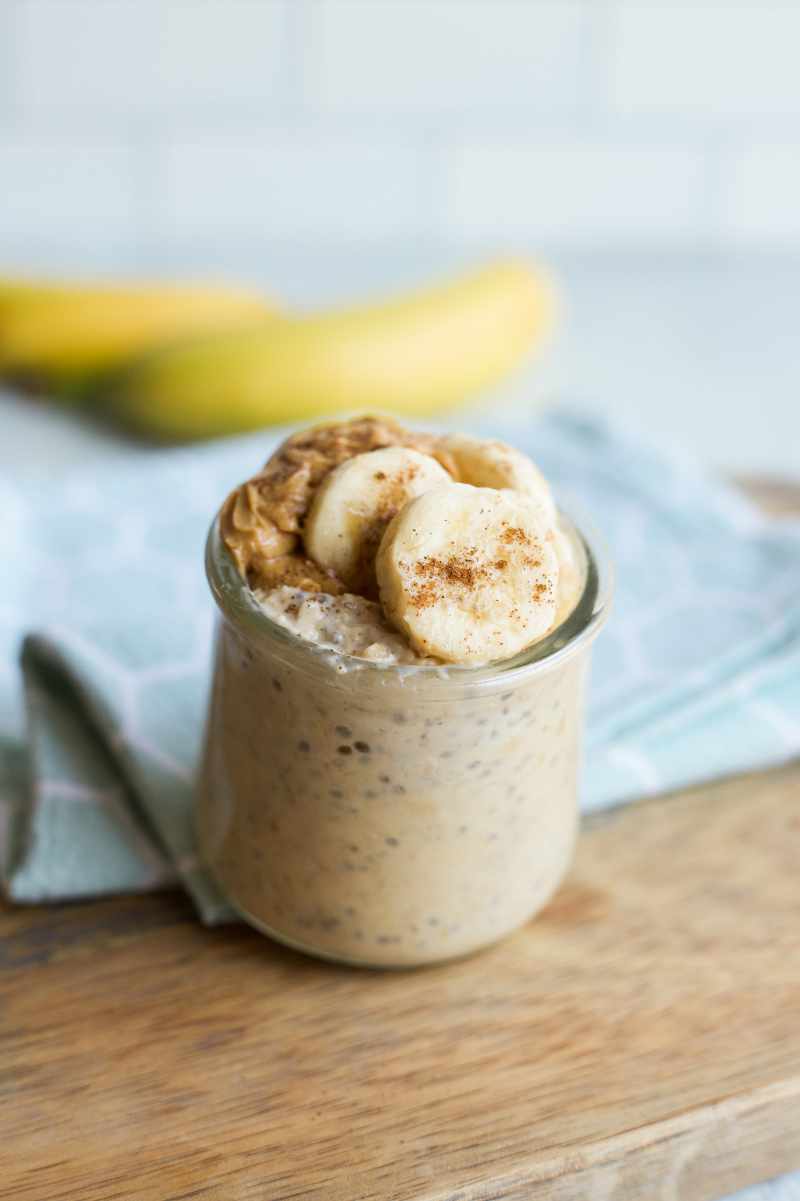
417	353
62	336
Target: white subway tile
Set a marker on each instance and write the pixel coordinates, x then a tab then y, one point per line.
444	56
112	58
279	185
761	196
219	53
579	193
66	192
708	59
78	54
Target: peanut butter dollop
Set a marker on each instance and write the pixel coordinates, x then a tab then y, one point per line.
262	520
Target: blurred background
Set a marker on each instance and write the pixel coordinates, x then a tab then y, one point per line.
327	149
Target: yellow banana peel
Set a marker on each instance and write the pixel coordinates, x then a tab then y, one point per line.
63	336
415	354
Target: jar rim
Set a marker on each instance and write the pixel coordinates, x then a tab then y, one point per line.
238	605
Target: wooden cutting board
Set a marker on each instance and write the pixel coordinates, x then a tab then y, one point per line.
639	1042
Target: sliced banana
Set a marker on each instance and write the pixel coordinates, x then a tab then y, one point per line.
468	574
488	464
356	502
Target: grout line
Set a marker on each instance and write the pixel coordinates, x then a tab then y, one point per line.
149	193
595	59
159	250
713	209
298	36
514	126
10	82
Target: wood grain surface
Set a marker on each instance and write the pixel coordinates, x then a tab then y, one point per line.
640	1041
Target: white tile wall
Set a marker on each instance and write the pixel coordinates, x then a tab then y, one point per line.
77	59
7	55
107	61
706	59
589	192
70	193
140	127
274	185
762	195
223	55
454	58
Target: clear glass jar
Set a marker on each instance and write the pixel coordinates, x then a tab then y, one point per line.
389	816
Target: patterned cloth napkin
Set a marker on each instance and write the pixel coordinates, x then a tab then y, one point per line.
696	675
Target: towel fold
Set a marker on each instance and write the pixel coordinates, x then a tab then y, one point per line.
696	675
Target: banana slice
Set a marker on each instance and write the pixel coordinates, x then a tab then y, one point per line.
469	575
356	502
488	464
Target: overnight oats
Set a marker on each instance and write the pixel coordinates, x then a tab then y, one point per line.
391	758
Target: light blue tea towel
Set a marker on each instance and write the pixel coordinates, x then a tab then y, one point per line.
696	675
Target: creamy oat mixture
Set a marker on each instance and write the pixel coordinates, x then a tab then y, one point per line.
348	625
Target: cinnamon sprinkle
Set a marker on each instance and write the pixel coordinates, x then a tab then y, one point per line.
455	570
514	533
467	569
464	569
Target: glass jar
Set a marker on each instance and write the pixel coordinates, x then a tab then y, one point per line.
389	816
